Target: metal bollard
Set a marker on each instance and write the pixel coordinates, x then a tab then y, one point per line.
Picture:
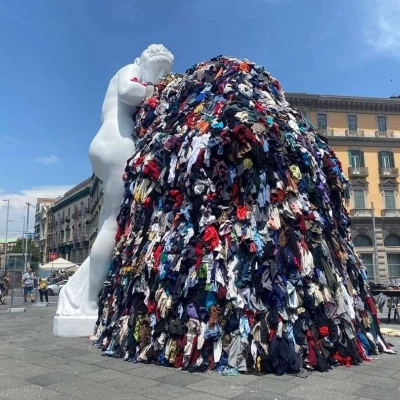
12	287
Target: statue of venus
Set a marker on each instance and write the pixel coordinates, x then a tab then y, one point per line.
110	149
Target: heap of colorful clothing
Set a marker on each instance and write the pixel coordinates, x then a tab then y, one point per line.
233	250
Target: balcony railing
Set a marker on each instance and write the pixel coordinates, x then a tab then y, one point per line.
389	172
394	280
92	233
326	132
361	212
355	132
358	172
81	237
384	134
392	213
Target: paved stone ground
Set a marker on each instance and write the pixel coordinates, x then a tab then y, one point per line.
34	365
18	300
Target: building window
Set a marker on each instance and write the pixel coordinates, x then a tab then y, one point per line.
367	260
382	126
352	122
386	159
359	199
392	241
393	261
390	199
321	121
356	158
69	211
362	241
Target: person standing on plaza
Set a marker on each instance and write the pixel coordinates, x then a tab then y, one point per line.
43	290
5	287
27	283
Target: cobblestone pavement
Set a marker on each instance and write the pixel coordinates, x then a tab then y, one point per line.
35	365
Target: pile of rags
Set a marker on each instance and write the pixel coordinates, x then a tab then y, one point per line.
233	250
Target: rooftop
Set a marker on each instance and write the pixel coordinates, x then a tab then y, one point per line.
344	103
46	200
80	187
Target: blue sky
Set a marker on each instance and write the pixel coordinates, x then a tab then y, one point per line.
58	56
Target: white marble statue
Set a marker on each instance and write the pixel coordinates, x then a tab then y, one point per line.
109	151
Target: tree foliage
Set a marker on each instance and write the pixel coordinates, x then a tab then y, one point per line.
33	251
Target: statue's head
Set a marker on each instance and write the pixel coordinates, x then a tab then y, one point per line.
156	62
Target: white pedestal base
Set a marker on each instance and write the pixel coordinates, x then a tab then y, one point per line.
73	326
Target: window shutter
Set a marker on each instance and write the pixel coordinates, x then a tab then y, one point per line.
391	158
380	162
359	199
362	162
349	154
390	201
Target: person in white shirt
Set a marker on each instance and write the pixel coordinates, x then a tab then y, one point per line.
27	283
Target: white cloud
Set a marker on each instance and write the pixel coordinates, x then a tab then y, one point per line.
18	207
382	26
48	160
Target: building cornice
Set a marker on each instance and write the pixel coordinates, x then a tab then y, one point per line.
362	141
81	187
305	101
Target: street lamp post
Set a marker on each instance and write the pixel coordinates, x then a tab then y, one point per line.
376	260
23	229
6	244
26	237
23	233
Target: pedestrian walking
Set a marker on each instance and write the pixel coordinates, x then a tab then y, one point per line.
27	283
43	290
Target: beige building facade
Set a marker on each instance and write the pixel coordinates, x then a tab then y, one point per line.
365	135
11	242
43	205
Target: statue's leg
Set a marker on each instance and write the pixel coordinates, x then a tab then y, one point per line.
73	299
73	295
101	254
77	310
113	187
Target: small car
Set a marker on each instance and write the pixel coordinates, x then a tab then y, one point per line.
56	287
